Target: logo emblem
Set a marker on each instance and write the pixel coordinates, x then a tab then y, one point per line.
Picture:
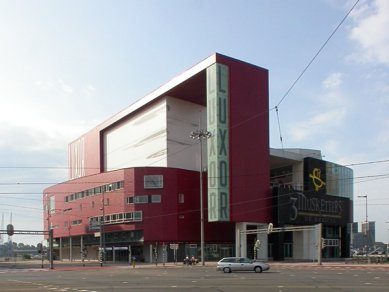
316	180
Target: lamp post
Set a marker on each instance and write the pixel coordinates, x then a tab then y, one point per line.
201	135
387	245
102	236
366	222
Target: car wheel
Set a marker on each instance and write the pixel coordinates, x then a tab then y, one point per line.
226	270
258	269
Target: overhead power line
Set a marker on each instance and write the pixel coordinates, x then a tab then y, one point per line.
315	56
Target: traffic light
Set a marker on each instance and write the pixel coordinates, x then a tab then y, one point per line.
323	243
270	228
10	230
39	247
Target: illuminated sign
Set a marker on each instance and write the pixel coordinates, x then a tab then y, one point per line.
315	176
316	180
218	160
308	208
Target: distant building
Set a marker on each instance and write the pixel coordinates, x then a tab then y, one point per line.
365	238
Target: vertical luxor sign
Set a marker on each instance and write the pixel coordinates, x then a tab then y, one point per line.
218	163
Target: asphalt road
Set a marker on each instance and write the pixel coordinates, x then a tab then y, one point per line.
180	278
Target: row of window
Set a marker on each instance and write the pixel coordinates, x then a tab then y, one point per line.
144	199
149	182
135	216
95	191
67	224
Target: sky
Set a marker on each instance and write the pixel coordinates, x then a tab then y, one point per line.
68	65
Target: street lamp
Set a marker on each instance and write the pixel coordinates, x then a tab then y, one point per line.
102	236
366	222
201	135
387	246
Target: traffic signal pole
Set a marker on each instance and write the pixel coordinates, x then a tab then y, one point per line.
51	248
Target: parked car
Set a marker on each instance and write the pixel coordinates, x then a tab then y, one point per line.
227	265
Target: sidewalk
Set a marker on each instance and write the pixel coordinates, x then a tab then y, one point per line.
77	265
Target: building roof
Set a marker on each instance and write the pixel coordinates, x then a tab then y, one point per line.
284	157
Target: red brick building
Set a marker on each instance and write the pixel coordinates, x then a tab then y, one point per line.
136	177
144	166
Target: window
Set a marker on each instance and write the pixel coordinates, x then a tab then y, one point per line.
130	200
153	181
138	216
155	198
97	190
141	199
76	222
181	198
52	204
94	222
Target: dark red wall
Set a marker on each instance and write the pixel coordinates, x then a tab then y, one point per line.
167	221
248	141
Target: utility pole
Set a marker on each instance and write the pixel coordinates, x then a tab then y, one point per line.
366	223
102	236
201	135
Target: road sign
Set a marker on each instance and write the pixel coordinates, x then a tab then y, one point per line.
173	246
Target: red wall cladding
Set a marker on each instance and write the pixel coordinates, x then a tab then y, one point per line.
168	221
250	197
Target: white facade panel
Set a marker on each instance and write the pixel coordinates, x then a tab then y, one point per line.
304	245
77	158
139	141
182	118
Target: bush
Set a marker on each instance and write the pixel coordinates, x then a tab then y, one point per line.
26	257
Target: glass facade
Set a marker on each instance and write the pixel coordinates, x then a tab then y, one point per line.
339	180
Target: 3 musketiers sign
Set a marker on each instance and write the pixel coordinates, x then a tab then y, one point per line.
312	205
307	208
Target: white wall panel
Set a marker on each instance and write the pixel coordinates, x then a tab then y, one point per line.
183	118
139	141
158	136
77	158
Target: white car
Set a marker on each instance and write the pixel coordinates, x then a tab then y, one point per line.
227	265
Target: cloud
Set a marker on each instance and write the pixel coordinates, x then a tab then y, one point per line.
317	124
59	87
331	106
371	31
89	91
66	89
333	81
